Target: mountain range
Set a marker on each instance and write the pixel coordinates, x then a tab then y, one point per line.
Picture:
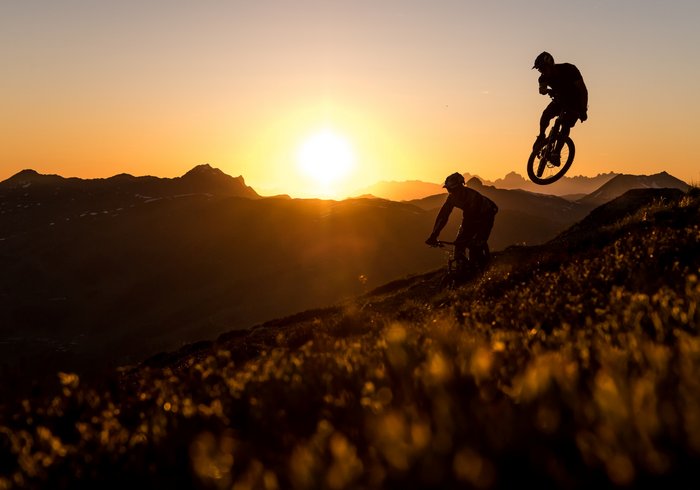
102	272
571	364
571	187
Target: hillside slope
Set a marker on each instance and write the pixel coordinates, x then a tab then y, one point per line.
573	364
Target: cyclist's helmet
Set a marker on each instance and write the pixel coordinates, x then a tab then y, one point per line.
453	181
544	58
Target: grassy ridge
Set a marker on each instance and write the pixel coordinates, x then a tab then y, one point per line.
570	365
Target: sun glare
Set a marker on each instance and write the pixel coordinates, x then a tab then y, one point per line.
326	157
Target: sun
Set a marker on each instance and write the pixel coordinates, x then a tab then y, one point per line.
326	157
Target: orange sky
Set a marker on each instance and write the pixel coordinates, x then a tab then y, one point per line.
418	89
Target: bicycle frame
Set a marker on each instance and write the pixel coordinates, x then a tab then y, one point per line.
450	257
551	141
455	274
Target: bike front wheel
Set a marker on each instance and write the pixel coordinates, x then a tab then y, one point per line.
542	171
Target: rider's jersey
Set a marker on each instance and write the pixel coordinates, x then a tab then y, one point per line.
474	206
568	87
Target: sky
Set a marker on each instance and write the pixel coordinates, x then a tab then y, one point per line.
414	90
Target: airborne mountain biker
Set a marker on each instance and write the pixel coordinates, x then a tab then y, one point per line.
478	213
563	81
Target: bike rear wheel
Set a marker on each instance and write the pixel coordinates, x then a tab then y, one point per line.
543	172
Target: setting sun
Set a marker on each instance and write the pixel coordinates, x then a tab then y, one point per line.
326	157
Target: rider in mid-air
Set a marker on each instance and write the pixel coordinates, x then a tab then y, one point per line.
563	81
478	213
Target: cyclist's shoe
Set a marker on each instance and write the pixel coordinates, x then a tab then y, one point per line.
539	143
555	159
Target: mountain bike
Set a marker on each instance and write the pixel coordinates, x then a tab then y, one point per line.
454	275
540	169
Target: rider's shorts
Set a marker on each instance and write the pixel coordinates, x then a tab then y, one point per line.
569	115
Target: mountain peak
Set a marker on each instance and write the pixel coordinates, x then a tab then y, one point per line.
474	182
30	176
26	173
205	170
205	178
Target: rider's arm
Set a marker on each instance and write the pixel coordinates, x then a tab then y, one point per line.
442	218
544	86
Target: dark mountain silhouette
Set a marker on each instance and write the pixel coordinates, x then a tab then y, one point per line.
572	364
32	196
104	271
622	183
565	187
201	179
615	210
570	187
29	200
204	178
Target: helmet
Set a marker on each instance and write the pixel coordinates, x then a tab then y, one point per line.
544	58
453	181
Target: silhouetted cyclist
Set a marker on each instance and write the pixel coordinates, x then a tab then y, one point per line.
564	83
478	213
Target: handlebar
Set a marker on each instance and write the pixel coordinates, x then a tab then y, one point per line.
439	243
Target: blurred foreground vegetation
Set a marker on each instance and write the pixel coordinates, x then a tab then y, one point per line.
571	365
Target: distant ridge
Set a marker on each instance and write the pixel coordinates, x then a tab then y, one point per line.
624	182
568	185
416	189
400	190
571	188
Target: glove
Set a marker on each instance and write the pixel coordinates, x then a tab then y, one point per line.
432	241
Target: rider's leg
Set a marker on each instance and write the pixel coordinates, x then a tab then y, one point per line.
479	252
461	242
549	113
568	120
563	134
